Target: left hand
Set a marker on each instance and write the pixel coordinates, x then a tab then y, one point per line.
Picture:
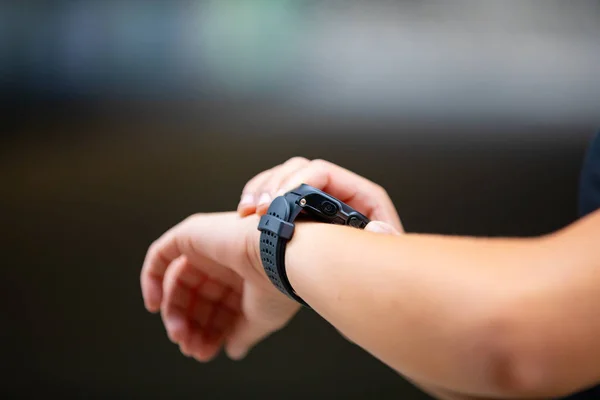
205	276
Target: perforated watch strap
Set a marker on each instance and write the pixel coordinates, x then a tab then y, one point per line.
276	231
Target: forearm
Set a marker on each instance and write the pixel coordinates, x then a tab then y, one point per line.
425	305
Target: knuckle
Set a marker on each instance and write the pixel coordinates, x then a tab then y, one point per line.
153	251
150	253
380	190
273	182
320	163
268	179
153	248
251	185
297	160
247	187
190	219
185	224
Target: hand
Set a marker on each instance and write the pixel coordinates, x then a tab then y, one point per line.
205	277
359	193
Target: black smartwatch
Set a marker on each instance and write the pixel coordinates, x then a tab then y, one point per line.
277	227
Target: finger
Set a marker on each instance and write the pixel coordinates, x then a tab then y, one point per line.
204	346
211	321
158	257
262	198
270	187
217	321
205	238
358	192
178	298
381	227
192	316
249	198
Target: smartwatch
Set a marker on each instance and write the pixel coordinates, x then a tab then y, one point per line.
277	227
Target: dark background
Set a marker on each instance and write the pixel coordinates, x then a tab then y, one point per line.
119	119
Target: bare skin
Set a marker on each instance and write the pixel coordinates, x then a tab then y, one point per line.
461	317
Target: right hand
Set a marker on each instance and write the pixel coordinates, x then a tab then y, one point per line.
359	193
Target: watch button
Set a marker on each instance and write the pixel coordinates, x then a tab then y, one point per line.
328	208
355	222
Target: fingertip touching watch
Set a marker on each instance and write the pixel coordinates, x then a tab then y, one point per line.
277	228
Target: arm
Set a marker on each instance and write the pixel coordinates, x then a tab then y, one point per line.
460	317
487	317
499	318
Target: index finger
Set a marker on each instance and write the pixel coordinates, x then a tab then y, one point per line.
353	189
158	258
331	178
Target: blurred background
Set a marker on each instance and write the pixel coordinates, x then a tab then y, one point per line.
119	119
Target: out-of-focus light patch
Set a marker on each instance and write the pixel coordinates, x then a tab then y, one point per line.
509	60
5	42
424	60
250	45
83	35
103	47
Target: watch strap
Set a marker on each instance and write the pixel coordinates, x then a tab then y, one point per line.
277	229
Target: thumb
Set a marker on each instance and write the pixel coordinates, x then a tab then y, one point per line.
381	227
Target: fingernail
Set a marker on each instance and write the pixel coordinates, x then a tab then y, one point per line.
381	227
264	199
247	199
280	192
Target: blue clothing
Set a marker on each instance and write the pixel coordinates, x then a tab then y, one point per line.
589	201
589	193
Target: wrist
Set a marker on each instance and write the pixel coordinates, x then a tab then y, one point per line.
254	257
252	239
253	249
